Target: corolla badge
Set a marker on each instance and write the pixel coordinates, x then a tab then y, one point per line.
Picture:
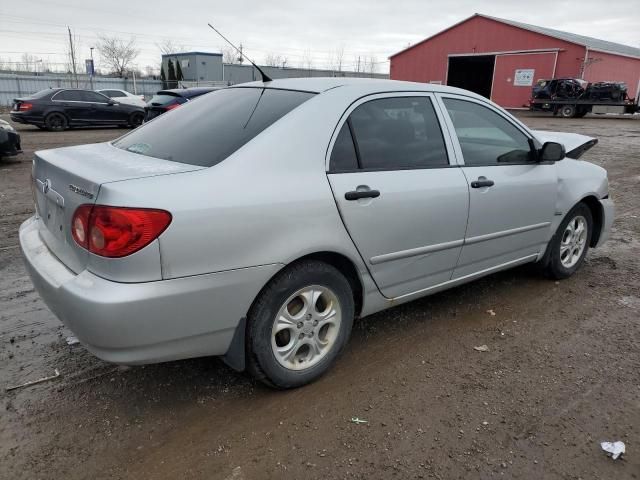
80	191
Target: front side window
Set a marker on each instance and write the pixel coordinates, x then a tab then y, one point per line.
211	129
487	138
398	133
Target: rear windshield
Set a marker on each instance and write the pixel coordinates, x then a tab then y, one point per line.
163	99
41	93
207	131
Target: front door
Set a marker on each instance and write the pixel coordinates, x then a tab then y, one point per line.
403	203
512	196
101	110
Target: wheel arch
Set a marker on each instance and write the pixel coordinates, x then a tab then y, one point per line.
236	354
597	214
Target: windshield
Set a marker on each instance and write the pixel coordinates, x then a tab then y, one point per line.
207	131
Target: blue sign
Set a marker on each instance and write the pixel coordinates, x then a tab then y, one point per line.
89	66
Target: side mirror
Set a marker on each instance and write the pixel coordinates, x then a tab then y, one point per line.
551	152
112	102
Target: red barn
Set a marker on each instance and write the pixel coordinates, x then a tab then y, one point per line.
502	59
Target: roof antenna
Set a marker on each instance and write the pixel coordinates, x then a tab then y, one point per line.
265	77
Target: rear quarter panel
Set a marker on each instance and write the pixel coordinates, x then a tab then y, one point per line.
269	202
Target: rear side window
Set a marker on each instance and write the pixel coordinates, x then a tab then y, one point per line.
487	138
207	131
397	133
112	93
343	155
69	96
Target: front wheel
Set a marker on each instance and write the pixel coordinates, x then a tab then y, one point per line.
568	247
299	325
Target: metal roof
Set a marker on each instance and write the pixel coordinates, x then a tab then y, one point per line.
592	43
191	53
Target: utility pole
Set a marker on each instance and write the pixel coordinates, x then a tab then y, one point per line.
73	56
240	58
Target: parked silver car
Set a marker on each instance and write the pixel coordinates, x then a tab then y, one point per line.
259	221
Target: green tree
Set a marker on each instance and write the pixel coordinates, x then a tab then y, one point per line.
163	77
171	77
179	75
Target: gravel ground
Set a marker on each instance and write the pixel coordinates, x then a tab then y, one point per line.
562	373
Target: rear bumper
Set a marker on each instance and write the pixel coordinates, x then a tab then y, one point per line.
26	119
136	323
608	212
9	143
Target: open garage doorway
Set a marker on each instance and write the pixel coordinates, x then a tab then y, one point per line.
473	73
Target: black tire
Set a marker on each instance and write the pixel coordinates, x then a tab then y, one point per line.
56	122
568	111
261	359
136	119
552	262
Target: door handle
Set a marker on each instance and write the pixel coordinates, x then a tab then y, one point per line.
356	194
482	182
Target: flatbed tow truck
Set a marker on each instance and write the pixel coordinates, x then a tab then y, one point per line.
569	100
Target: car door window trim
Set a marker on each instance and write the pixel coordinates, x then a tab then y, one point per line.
449	146
446	118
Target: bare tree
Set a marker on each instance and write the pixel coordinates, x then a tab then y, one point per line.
117	54
167	47
230	56
273	60
307	60
370	64
337	59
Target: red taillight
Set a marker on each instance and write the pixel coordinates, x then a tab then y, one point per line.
23	107
117	231
171	107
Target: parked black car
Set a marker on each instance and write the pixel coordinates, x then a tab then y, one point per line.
9	140
166	100
59	108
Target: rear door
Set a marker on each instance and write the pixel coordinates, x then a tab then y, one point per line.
401	199
74	105
512	196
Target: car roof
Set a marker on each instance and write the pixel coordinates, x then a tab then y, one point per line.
364	86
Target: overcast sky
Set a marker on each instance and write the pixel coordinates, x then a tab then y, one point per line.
294	29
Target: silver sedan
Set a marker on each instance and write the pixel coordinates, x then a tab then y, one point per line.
258	222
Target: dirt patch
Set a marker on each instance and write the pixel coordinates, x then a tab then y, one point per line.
561	373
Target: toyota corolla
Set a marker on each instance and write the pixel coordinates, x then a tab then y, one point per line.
258	222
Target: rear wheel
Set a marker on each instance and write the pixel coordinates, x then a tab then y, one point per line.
56	122
299	325
135	119
568	111
568	247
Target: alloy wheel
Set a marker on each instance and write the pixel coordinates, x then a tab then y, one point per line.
306	327
574	240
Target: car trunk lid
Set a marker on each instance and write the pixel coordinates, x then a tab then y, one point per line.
65	178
